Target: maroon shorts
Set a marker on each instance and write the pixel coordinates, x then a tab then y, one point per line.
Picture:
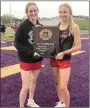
61	64
30	66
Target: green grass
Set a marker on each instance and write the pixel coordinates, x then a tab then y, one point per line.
83	24
84	31
10	32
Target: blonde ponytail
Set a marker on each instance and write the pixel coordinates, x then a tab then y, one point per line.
71	15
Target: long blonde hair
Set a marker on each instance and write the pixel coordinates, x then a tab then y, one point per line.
70	11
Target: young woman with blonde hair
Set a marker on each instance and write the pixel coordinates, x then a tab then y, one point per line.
69	42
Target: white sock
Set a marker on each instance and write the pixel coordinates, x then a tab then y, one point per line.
30	100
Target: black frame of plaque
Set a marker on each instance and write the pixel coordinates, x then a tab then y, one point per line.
37	41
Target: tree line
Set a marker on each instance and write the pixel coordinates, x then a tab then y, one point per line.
7	19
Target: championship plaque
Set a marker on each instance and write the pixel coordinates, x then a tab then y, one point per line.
46	40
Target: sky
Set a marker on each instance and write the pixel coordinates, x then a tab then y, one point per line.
46	8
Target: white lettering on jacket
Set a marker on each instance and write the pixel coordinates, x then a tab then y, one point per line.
30	36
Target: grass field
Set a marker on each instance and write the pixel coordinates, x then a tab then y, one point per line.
83	24
9	32
84	31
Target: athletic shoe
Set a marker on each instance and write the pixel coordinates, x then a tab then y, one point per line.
60	104
32	104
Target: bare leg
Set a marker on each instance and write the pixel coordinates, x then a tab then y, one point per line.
64	75
33	80
25	75
55	72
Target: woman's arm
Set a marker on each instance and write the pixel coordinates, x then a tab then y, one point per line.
19	45
77	43
17	42
77	40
